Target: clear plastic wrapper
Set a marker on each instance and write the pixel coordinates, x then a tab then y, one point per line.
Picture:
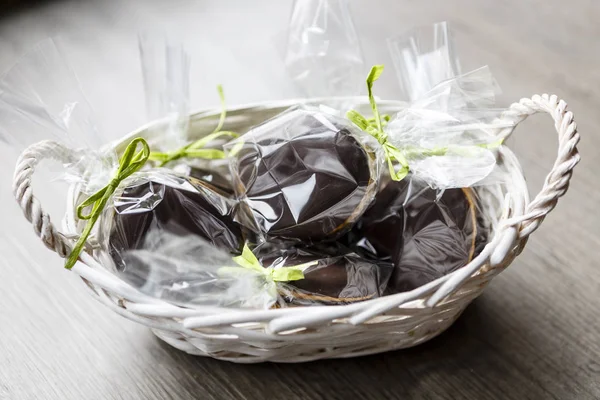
323	54
40	99
304	175
424	233
41	91
189	271
332	275
423	57
443	145
161	204
182	203
448	136
165	68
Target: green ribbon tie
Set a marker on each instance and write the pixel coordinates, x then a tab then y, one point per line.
129	163
374	126
196	149
248	262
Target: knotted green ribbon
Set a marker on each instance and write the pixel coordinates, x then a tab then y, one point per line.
129	163
248	262
196	149
374	126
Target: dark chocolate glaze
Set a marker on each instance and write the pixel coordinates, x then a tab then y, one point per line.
310	188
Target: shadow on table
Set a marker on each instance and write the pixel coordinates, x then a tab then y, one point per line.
454	364
12	7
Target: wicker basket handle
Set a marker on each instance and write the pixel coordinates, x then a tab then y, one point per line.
557	181
555	185
30	205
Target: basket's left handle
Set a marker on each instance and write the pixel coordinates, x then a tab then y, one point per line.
30	205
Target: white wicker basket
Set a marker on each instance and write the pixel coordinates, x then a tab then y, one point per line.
307	333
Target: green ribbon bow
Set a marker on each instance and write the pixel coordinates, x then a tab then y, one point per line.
248	262
129	163
196	149
374	126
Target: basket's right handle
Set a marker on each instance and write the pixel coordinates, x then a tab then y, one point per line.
557	181
556	184
30	205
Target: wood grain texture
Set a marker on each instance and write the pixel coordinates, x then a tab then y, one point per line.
534	334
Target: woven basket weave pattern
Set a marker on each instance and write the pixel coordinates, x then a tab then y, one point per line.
308	333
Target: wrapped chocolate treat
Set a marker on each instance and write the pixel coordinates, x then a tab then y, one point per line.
305	175
439	149
426	234
121	198
189	271
164	201
333	275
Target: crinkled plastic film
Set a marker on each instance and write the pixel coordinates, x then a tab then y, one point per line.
187	270
431	223
423	57
332	276
304	175
166	72
423	232
40	98
323	54
161	227
448	136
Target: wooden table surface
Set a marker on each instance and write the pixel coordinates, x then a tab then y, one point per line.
534	333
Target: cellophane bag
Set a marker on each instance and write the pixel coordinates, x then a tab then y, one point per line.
424	233
430	223
189	271
423	57
41	99
165	66
323	54
307	174
332	274
304	175
161	204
